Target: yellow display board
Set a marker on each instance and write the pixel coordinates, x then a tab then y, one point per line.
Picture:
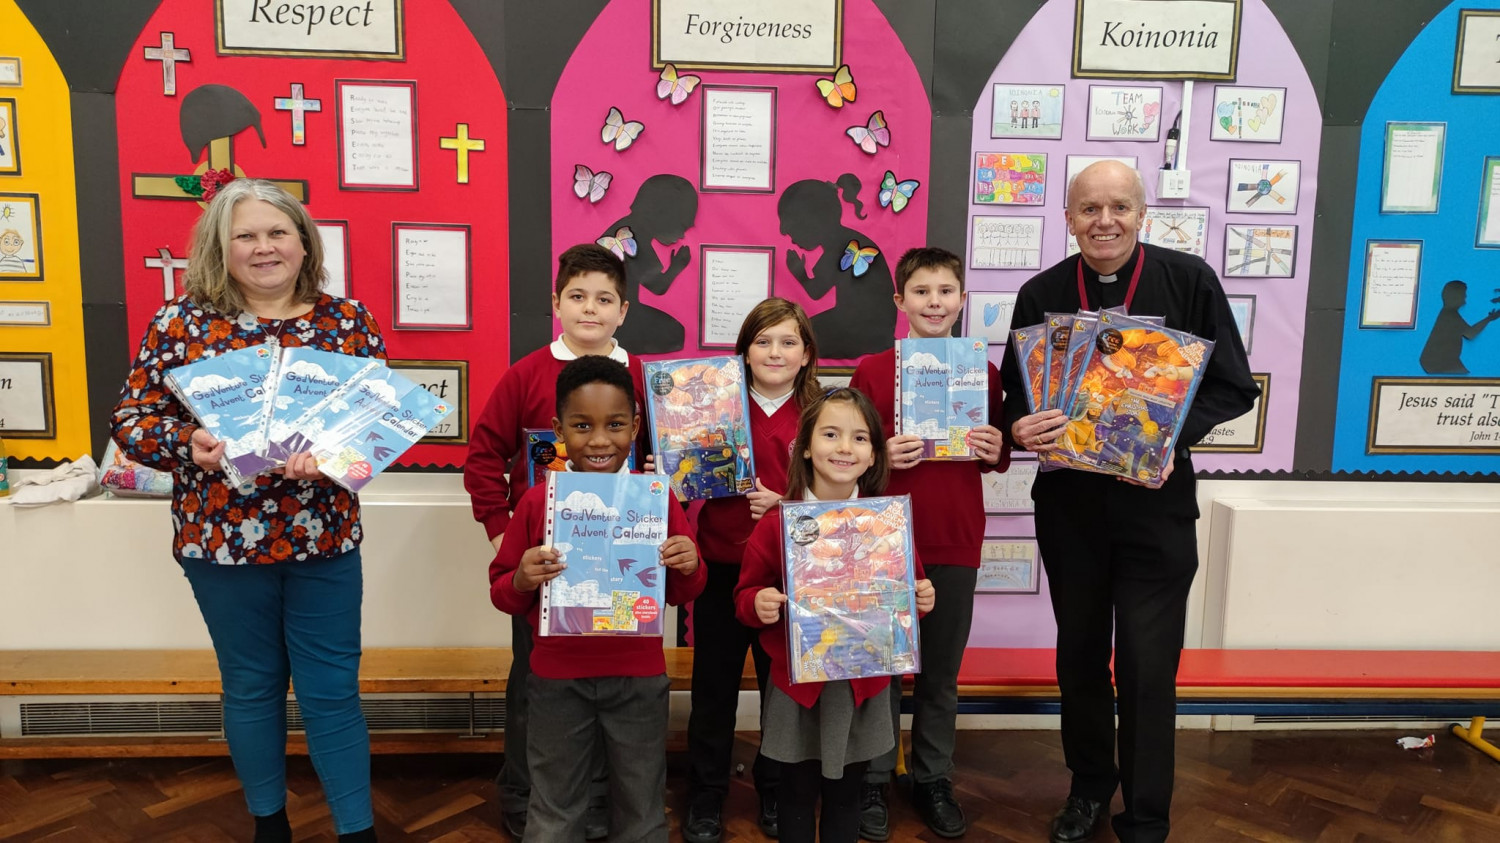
41	348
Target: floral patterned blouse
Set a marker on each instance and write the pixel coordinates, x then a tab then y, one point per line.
267	518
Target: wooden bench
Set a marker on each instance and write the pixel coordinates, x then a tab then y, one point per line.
1415	685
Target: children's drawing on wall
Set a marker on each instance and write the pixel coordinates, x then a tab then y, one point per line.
1247	114
1027	111
1128	113
19	237
664	209
10	154
1443	354
863	317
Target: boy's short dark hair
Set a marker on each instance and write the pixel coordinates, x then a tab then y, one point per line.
589	257
927	257
592	368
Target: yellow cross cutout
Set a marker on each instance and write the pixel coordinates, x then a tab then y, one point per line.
220	157
464	145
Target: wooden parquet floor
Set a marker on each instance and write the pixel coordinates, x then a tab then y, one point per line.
1330	787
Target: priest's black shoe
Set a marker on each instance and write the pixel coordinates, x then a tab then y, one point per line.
705	823
1078	820
769	825
515	824
874	817
939	809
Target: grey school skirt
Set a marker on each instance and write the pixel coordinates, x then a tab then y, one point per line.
834	731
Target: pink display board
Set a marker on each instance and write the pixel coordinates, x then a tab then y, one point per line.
674	203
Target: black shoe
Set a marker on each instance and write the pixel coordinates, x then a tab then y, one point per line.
874	817
274	828
1078	820
364	836
769	825
596	822
939	809
515	824
704	824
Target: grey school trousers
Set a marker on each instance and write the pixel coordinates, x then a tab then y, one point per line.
944	635
570	720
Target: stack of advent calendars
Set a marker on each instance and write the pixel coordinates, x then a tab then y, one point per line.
354	414
1125	382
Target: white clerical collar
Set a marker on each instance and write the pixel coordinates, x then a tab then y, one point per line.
809	496
561	351
770	405
624	468
1108	279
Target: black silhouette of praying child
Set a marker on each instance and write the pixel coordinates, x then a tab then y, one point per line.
1444	349
664	209
863	318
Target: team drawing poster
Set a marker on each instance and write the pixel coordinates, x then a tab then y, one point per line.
1028	111
700	424
942	393
851	588
607	528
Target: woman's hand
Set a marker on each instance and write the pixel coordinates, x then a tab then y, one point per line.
301	466
207	451
768	605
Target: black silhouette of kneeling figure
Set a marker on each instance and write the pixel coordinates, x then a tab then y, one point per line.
664	209
1444	350
863	318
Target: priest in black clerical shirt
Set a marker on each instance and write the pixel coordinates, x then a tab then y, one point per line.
1120	557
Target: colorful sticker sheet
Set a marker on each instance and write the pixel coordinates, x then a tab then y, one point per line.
851	588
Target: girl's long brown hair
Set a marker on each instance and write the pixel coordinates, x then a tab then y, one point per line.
800	472
768	314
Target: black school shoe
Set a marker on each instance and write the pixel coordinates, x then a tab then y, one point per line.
704	824
769	823
874	816
515	824
939	809
1077	821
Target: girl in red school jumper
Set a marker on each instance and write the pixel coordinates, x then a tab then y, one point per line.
823	733
781	357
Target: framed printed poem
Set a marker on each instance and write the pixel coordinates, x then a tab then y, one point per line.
1248	115
734	279
1475	68
10	139
336	257
1125	113
1005	242
1263	187
737	141
1010	178
1412	179
1243	308
377	131
433	278
1181	229
1260	251
448	380
1393	275
1488	234
988	315
28	407
1027	111
1008	565
1244	435
20	237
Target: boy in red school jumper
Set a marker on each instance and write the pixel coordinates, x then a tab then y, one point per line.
589	300
947	500
595	691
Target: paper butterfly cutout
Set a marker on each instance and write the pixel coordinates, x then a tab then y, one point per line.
872	136
895	194
587	183
620	132
675	86
858	258
622	243
838	90
991	313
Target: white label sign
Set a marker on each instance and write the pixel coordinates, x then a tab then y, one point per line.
1156	39
30	313
800	35
367	29
1435	416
